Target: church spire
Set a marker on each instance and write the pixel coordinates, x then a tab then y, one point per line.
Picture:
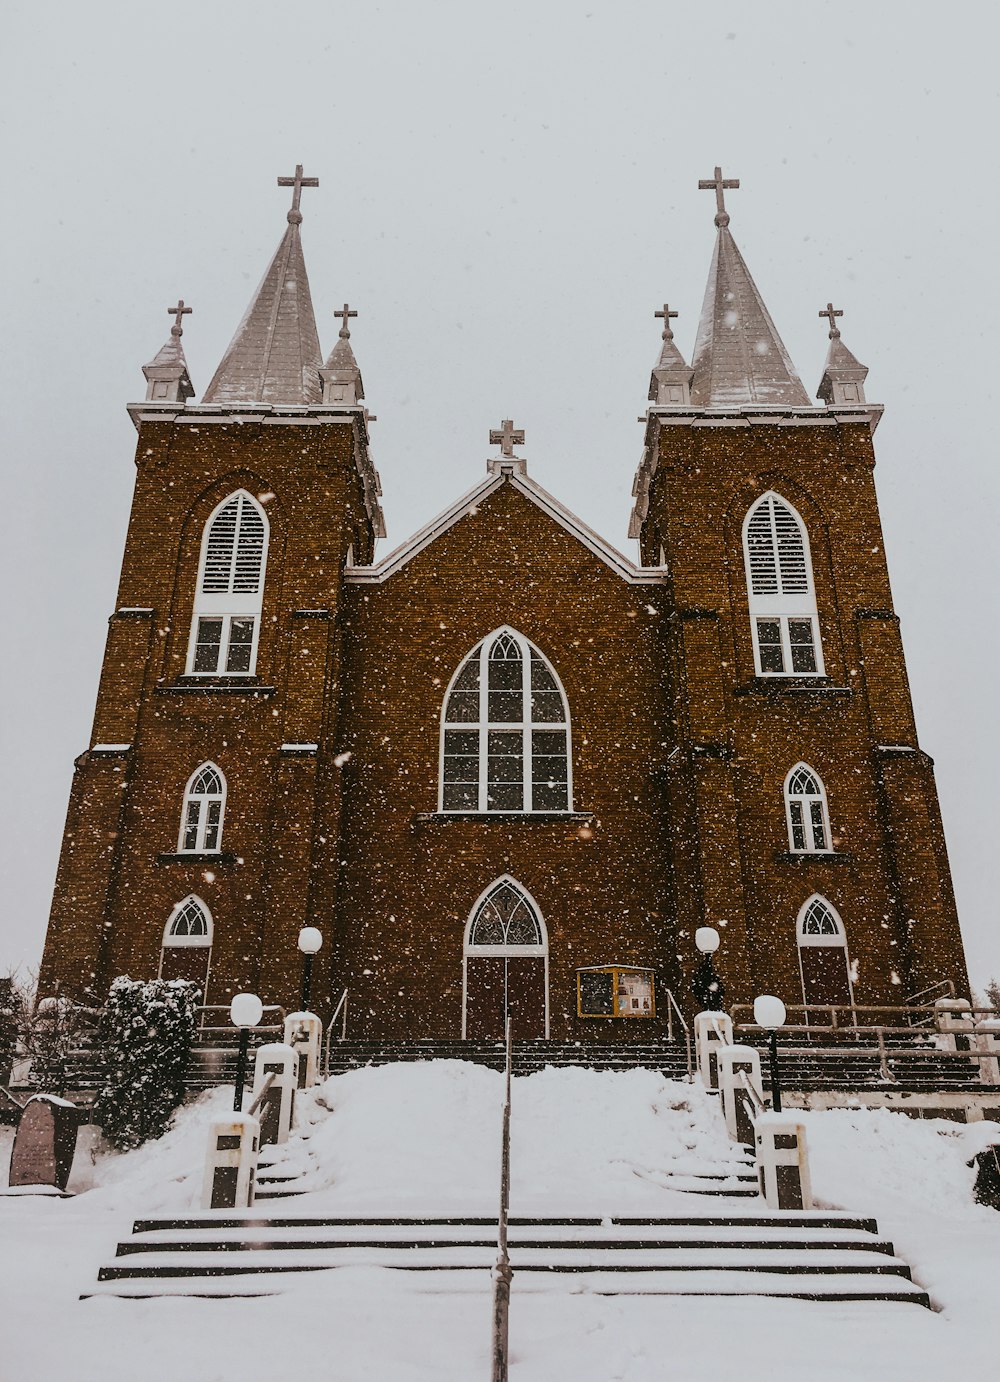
844	375
275	356
166	374
670	382
739	358
340	375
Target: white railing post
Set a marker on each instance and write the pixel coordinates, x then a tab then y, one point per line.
501	1271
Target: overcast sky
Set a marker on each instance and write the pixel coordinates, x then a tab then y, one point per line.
506	194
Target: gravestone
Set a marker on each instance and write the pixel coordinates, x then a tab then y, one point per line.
44	1142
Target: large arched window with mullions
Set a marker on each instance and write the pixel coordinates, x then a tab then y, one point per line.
201	818
505	732
226	624
783	618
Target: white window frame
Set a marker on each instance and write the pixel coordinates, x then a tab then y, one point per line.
171	942
228	605
484	725
778	607
204	799
503	952
804	802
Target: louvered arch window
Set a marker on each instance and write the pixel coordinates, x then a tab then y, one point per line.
226	622
783	618
203	810
505	732
806	812
190	923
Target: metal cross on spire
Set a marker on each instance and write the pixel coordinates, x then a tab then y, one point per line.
666	314
345	312
830	311
297	182
507	436
719	185
177	312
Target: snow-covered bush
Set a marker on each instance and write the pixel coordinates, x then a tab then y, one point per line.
146	1032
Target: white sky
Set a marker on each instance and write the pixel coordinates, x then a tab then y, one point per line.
507	192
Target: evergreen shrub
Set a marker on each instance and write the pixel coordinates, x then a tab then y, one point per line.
146	1033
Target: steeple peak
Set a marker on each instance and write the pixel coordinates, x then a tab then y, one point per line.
739	358
670	382
843	381
275	356
166	374
340	375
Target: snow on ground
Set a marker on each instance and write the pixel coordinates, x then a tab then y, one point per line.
424	1139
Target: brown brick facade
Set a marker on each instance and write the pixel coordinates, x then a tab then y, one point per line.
679	751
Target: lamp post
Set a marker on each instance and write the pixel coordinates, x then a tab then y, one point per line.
769	1013
708	987
245	1012
310	941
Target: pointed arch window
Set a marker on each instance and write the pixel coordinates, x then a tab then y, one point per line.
226	622
505	732
806	812
190	923
204	807
820	923
506	916
783	618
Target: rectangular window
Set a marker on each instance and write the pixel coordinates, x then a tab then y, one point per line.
549	770
800	638
191	826
240	645
798	825
505	781
769	645
461	770
506	704
818	826
208	646
214	816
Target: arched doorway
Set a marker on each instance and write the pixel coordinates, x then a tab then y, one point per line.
506	966
823	957
187	944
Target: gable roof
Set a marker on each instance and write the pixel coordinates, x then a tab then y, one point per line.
396	560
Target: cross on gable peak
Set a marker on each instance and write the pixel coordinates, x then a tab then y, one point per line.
832	312
507	436
719	185
345	313
177	313
297	182
666	314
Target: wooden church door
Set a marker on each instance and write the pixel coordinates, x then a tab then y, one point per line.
506	966
826	971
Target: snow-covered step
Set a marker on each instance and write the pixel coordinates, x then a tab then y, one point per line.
809	1254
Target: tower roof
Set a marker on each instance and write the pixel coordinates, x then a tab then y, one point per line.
844	375
739	358
167	373
275	356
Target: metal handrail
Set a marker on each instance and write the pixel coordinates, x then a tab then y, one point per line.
339	1011
835	1011
501	1270
226	1025
944	988
261	1095
671	1009
756	1101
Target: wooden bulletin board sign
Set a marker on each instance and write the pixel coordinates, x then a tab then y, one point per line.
615	991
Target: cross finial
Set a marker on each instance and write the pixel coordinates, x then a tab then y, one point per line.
718	185
345	312
297	182
177	312
507	436
830	311
666	314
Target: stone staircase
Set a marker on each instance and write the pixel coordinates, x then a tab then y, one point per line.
733	1246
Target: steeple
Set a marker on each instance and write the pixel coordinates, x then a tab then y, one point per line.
739	357
844	376
166	374
275	356
670	382
340	375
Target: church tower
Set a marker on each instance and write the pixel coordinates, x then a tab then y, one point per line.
222	663
805	815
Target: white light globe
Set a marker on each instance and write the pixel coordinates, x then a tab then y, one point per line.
310	940
246	1010
768	1011
706	938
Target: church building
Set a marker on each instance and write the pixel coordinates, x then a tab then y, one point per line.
505	767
